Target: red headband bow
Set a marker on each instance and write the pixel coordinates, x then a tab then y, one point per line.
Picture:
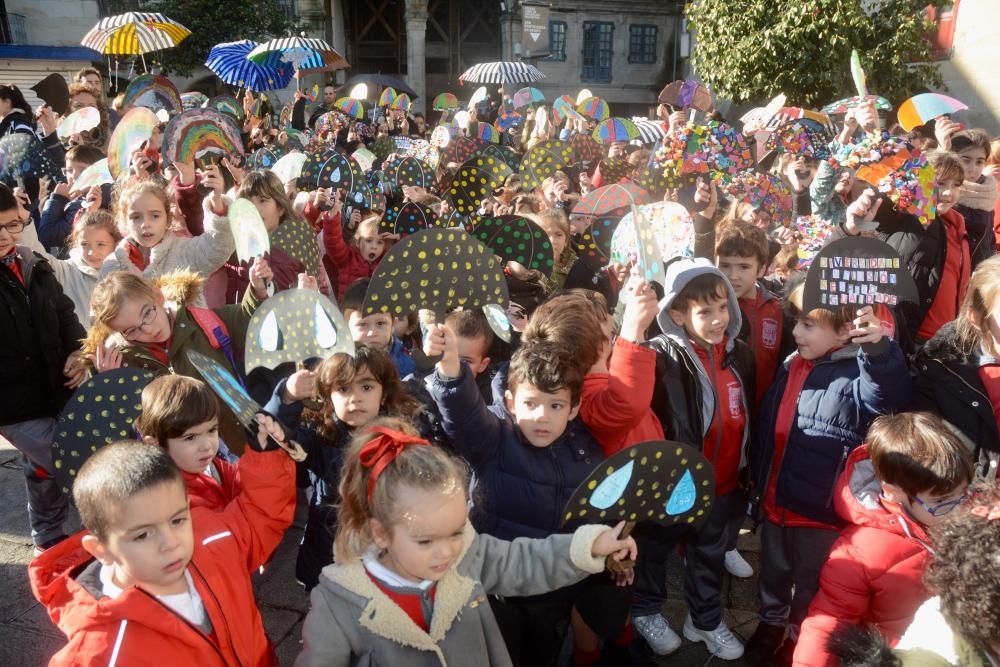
382	450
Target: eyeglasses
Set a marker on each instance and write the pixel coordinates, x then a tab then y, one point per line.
941	509
14	227
147	317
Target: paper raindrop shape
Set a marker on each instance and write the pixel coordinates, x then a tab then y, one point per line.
248	230
192	133
497	318
683	496
613	487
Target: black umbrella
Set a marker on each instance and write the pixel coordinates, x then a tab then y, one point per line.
384	80
54	91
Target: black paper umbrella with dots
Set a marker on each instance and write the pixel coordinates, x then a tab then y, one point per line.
544	160
460	149
436	269
593	247
326	168
585	148
490	151
516	239
411	171
101	411
379	182
407	219
497	169
666	482
470	186
264	157
614	170
295	325
298	240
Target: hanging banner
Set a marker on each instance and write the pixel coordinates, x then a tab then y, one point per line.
535	31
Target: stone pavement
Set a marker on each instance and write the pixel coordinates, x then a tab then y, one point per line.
28	638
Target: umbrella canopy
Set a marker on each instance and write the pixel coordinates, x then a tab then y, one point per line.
595	108
614	130
228	61
509	119
193	99
301	52
134	34
842	106
600	201
350	107
488	133
383	80
401	103
387	97
502	73
526	96
445	102
686	94
925	107
22	156
650	131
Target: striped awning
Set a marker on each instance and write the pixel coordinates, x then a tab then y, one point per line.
134	33
501	73
650	131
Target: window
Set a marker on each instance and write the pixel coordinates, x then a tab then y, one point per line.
289	9
557	40
597	51
942	36
642	44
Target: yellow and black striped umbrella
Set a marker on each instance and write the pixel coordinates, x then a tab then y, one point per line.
134	33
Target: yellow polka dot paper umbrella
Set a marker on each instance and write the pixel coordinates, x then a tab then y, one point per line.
665	482
101	411
472	184
293	326
516	239
543	160
403	171
298	240
436	269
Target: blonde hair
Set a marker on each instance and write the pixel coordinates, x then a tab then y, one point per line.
981	299
421	467
134	189
552	220
111	293
369	224
99	219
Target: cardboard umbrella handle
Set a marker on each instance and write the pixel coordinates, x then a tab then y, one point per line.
621	566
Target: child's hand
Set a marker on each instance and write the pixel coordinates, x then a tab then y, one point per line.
320	197
260	275
95	197
267	426
707	195
944	130
608	544
867	327
786	236
142	166
440	341
866	116
305	281
861	212
235	171
185	172
74	370
300	386
623	577
61	189
640	311
211	177
47	119
678	120
106	357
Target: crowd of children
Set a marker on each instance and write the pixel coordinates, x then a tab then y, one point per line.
860	442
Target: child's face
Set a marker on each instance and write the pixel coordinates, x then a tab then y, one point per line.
845	181
150	542
374	330
359	402
801	172
921	506
8	239
541	416
269	211
757	217
142	321
557	238
425	543
194	449
815	339
948	191
147	220
473	351
371	245
73	170
96	244
974	161
742	273
704	321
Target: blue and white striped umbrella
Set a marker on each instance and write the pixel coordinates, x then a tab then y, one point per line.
229	62
301	52
501	73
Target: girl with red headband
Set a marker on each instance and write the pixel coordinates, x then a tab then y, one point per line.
411	576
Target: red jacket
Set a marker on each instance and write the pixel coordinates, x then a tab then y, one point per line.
286	271
874	573
189	200
615	405
723	443
204	491
350	264
137	629
763	325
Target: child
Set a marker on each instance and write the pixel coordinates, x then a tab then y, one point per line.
139	323
152	249
411	575
180	415
843	375
702	396
556	225
353	391
360	258
150	576
957	375
55	224
977	196
741	253
39	336
374	330
912	472
475	340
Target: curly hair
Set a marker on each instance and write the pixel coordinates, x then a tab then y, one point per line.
965	571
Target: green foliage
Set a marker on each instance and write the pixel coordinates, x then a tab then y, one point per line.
751	50
214	21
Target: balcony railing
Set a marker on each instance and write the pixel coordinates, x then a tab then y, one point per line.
12	29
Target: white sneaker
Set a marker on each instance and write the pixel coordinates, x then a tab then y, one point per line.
657	633
737	566
720	642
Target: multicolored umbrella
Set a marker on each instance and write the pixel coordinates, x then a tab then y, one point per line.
401	103
134	128
687	94
154	92
488	133
303	53
509	119
408	218
672	228
716	149
563	106
585	149
350	107
606	198
925	107
542	161
613	130
23	156
812	232
594	108
472	184
228	61
460	149
764	192
445	102
387	97
229	106
527	96
406	171
134	34
193	100
848	103
502	73
800	137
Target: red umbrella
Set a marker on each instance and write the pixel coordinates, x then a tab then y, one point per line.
609	197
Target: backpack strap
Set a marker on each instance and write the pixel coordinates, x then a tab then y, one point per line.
218	336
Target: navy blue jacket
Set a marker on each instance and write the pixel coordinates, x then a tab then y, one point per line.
521	489
841	397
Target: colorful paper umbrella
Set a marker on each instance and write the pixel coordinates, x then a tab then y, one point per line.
192	133
672	227
406	171
488	133
408	218
563	105
445	102
585	149
134	128
686	94
193	100
134	34
606	198
594	108
897	171
593	246
80	120
813	232
154	92
387	97
800	137
471	185
95	174
613	130
542	161
513	238
229	106
22	156
764	192
528	96
350	107
265	157
228	61
842	106
401	103
925	107
460	149
509	119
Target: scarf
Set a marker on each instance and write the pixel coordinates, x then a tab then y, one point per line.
979	196
10	260
138	255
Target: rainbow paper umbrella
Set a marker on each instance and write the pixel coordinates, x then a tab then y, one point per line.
154	92
134	128
563	105
401	103
613	130
842	106
527	96
80	120
445	102
387	97
488	133
193	100
595	108
925	107
350	107
509	119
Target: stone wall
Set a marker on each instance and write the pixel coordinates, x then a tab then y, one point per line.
971	75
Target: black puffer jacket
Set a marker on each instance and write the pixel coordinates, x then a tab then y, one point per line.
38	331
948	384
